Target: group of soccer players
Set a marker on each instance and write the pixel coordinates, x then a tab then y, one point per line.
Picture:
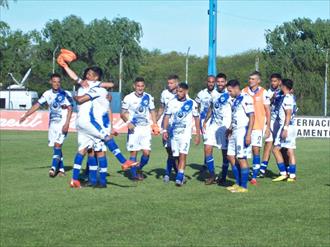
228	117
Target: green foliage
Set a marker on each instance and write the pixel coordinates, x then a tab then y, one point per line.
297	49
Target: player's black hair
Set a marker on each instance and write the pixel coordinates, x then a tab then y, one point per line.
96	70
137	79
173	77
276	75
255	73
221	75
233	83
183	85
288	83
55	75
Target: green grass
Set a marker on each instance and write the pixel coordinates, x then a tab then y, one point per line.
39	211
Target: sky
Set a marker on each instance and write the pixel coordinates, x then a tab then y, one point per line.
173	25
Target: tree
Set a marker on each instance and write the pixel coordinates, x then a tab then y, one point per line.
297	50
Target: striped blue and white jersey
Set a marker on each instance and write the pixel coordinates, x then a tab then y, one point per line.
139	108
181	115
283	103
221	108
204	100
242	107
166	97
58	101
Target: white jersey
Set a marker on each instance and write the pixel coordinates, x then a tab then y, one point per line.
204	99
83	109
58	103
181	116
241	109
166	96
139	108
221	108
99	108
272	93
285	102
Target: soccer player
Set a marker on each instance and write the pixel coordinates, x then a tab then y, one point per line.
274	92
167	95
239	134
261	104
216	123
137	107
60	110
181	111
91	78
285	132
203	100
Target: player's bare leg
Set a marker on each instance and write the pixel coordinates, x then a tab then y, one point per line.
180	179
265	158
255	164
280	164
235	170
209	160
292	166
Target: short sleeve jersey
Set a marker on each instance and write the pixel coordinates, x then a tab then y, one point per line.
181	115
58	102
139	108
241	109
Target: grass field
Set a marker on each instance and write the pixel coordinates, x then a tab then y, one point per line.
39	211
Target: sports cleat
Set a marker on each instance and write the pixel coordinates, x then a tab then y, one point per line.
178	183
280	178
261	174
230	188
292	180
239	190
61	174
210	181
221	181
51	173
253	181
128	164
166	179
75	184
140	176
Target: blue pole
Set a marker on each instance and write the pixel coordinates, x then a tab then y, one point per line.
212	62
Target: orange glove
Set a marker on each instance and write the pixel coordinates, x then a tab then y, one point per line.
155	129
61	62
68	55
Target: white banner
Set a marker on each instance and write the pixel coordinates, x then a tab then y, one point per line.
313	126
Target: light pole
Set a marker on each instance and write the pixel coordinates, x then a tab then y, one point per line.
120	68
56	48
187	64
326	84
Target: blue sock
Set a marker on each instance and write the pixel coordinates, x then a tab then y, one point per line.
115	150
92	167
56	158
244	177
77	166
210	164
292	170
180	176
256	165
103	170
263	166
134	168
144	160
61	164
282	168
169	166
236	173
